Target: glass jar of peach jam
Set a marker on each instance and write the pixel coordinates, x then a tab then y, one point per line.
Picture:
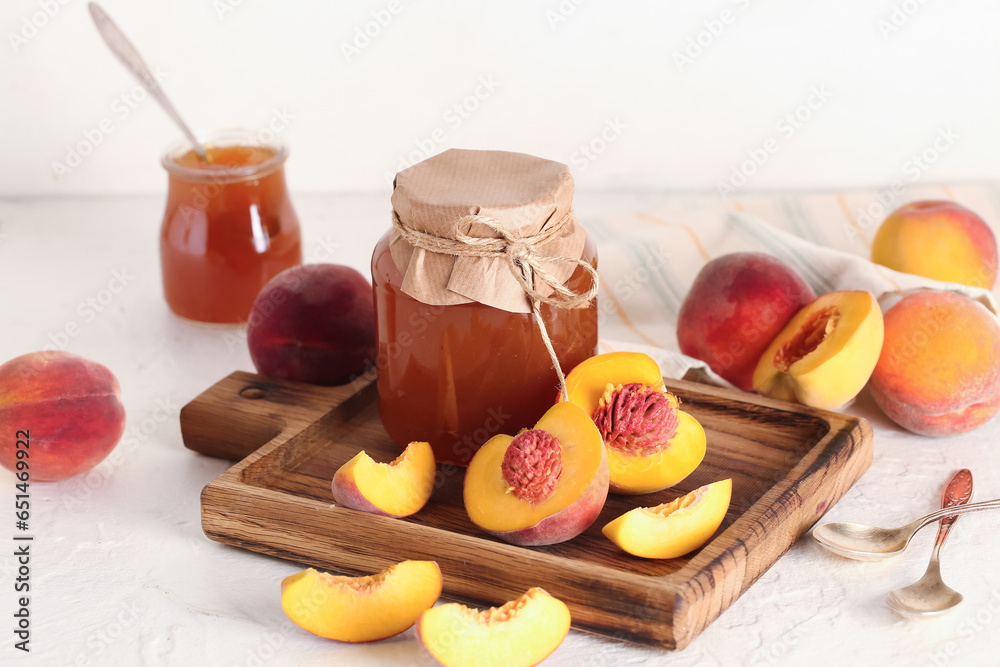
229	226
456	375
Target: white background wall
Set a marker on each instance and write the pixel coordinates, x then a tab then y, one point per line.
561	74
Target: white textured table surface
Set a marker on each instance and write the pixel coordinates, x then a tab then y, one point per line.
121	573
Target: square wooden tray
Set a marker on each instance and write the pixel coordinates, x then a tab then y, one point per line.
788	463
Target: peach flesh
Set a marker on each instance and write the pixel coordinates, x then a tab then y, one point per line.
521	633
569	507
361	609
826	353
651	445
807	339
660	468
567	523
672	529
397	489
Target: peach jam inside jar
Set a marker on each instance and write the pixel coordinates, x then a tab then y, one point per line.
229	226
458	375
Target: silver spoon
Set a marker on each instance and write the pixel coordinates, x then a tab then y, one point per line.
861	542
129	56
930	596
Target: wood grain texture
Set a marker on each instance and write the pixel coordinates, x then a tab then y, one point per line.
788	463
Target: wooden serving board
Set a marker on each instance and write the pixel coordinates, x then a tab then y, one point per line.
788	464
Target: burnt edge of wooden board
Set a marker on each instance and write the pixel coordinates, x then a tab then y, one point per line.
235	512
851	447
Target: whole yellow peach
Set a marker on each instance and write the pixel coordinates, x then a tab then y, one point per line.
938	239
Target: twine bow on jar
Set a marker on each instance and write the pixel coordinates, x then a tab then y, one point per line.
525	264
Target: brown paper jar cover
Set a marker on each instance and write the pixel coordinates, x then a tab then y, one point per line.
525	194
460	357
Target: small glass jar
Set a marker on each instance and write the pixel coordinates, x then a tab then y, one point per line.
229	226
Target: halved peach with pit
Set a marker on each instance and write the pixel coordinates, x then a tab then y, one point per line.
543	486
651	444
361	609
521	633
673	529
826	353
396	489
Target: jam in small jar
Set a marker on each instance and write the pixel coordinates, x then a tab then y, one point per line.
229	226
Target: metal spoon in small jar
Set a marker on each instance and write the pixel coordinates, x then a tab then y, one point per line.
929	596
129	56
861	542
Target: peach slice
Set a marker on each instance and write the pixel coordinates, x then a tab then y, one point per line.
675	528
396	489
826	353
361	609
544	486
521	633
651	444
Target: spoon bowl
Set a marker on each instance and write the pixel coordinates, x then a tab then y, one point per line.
861	542
929	596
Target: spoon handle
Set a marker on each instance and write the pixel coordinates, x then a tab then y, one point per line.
953	511
956	493
129	56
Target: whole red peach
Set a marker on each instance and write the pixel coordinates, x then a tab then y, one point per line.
62	409
313	323
738	303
